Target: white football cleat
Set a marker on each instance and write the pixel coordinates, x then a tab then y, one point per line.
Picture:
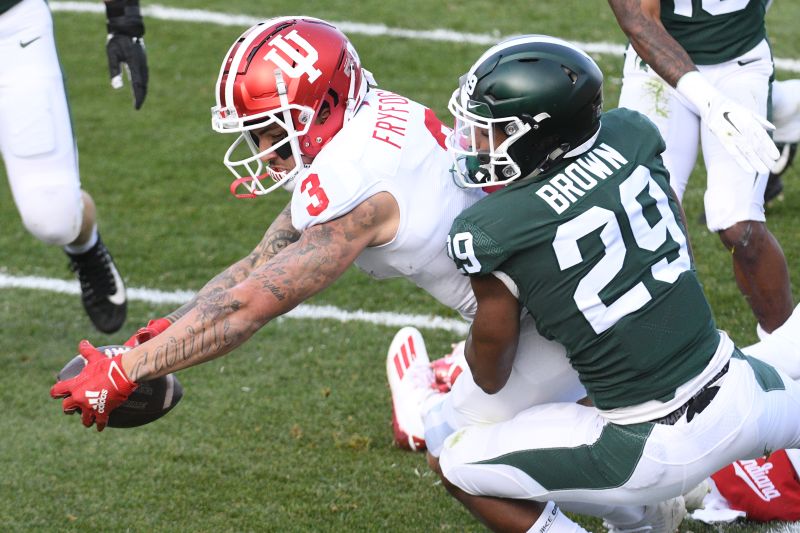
663	517
411	382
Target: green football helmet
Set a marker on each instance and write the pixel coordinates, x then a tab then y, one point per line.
525	104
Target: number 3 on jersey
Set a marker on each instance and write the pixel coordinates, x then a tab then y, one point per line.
318	200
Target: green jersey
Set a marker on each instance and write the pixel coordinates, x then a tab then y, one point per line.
597	251
5	5
715	31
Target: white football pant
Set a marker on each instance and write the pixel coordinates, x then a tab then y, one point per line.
732	194
36	141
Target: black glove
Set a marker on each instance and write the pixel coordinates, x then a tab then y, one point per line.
126	45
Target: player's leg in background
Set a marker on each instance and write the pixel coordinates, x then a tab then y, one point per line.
645	92
786	117
35	132
786	111
734	200
40	156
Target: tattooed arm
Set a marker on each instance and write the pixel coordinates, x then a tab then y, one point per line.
279	235
641	22
229	313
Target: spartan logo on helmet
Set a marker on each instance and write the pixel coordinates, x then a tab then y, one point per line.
469	84
300	64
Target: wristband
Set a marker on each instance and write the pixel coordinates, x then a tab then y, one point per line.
697	90
124	18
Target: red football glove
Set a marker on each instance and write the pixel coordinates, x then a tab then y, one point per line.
101	387
153	328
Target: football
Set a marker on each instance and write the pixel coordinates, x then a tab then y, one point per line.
150	401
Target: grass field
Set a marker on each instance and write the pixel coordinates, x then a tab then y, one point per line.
292	432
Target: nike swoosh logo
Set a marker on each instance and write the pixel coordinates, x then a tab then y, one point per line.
747	61
725	116
24	44
118	298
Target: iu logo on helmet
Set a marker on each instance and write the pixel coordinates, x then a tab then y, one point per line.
299	64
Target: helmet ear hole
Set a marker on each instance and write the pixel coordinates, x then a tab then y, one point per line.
570	74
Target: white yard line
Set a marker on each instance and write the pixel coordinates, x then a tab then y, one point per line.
310	312
355	28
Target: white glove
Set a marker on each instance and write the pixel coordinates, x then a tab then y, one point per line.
742	132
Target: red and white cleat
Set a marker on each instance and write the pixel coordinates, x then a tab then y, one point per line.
411	382
447	369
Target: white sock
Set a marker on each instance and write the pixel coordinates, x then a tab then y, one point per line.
439	424
552	520
77	249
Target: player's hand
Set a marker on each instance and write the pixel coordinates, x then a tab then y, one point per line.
125	46
152	329
129	51
101	387
743	134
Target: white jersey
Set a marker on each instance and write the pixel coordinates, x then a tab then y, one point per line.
394	145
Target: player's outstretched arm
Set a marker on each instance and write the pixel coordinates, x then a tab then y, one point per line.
493	337
224	318
742	132
279	235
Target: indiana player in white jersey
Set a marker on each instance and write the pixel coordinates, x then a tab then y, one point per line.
388	158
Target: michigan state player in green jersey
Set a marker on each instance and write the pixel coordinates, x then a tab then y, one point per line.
602	228
586	238
714	31
701	70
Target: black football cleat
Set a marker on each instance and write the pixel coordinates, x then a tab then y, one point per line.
102	290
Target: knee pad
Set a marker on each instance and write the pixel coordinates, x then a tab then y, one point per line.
53	216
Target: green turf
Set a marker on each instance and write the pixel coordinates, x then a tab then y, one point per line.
292	432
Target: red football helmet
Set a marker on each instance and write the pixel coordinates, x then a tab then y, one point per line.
284	71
